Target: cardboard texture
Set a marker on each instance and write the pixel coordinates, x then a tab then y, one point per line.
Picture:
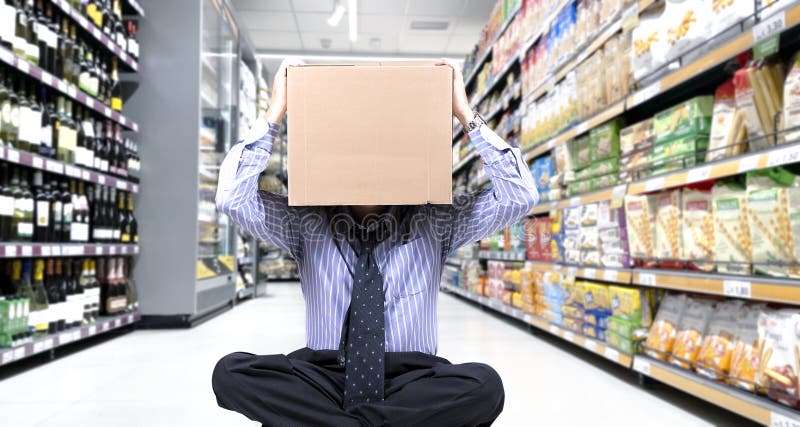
370	134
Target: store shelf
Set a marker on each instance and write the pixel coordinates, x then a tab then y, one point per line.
26	250
49	342
757	408
465	161
134	6
457	132
35	161
786	291
97	33
587	343
501	255
68	89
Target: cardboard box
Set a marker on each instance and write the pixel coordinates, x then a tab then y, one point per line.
370	134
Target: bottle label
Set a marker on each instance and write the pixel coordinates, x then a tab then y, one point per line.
97	163
6	206
14	114
57	212
42	213
7	17
104	165
115	234
125	238
47	136
30	122
25	229
67	216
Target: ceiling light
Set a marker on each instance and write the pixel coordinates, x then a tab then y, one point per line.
336	16
352	19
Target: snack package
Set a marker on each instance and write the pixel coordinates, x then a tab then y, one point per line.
573	324
636	150
758	96
687	25
691	329
791	101
728	131
732	245
771	194
697	229
544	227
647	41
678	153
662	334
726	13
668	228
747	346
595	297
621	343
588	215
563	160
640	217
594	332
714	359
631	305
572	218
604	141
688	118
780	357
532	247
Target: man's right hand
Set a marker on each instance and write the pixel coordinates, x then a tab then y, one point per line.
277	104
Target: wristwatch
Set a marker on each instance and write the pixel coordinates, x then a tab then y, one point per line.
476	122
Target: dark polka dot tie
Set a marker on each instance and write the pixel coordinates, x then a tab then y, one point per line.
362	346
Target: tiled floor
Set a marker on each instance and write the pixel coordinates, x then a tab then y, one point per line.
162	377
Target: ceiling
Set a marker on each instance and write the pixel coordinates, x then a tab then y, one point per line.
299	26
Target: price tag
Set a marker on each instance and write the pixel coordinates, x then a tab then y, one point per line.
70	171
569	336
99	250
62	86
8	357
92	330
553	329
103	326
784	156
81	20
645	94
19	353
551	144
698	174
124	56
76	335
65	338
130	318
11	251
779	420
101	179
38	347
610	275
572	271
47	78
38	163
589	272
590	345
6	56
112	324
654	184
54	167
749	163
12	155
619	191
122	185
581	128
109	45
48	344
86	175
71	91
647	279
641	365
27	250
526	318
736	288
766	35
612	354
630	18
23	66
56	250
45	251
575	201
96	33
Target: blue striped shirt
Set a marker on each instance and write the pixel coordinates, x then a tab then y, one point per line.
411	265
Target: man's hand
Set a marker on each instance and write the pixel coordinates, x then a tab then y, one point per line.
277	103
461	108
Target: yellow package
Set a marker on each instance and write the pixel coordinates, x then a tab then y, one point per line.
630	304
573	293
691	328
662	334
714	359
595	296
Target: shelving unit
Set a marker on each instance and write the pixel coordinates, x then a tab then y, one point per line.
54	341
49	250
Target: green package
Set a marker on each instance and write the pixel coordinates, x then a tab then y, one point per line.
578	187
604	181
688	118
625	345
604	141
579	149
621	326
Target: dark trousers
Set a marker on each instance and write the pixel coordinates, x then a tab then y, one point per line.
305	388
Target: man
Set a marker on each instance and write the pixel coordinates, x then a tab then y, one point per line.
369	277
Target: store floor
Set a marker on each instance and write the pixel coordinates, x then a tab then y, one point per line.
162	377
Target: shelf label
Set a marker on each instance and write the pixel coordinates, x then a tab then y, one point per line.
45	251
553	205
56	250
92	330
54	167
647	279
526	318
130	318
103	326
27	250
47	78
6	56
38	163
572	271
8	357
641	365
71	91
654	184
72	171
11	251
589	272
99	250
38	347
23	66
90	102
630	18
698	174
12	155
553	329
122	185
48	344
19	353
646	93
736	288
76	335
610	275
101	179
748	163
784	156
590	345
619	191
112	250
612	354
777	419
581	128
96	33
575	201
107	111
65	338
766	35
86	175
81	20
569	336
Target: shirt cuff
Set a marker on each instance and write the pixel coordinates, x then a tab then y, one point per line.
262	134
487	144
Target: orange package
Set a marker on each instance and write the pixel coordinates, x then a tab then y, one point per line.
693	325
746	355
714	359
662	334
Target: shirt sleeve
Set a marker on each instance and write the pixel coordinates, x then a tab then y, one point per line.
266	216
513	193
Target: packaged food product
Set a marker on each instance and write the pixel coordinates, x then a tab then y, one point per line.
532	246
604	181
686	25
791	101
728	132
732	244
590	257
588	215
573	324
771	194
544	230
647	42
640	217
572	218
688	118
780	357
621	343
563	160
668	228
595	332
690	333
595	296
725	13
589	238
580	147
747	346
631	305
758	96
608	217
634	135
604	141
714	358
697	229
662	334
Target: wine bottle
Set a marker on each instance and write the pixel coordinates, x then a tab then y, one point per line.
6	205
30	122
46	126
23	210
8	17
62	295
56	212
39	303
66	46
43	201
66	210
5	109
88	140
119	217
20	42
19	112
98	146
77	54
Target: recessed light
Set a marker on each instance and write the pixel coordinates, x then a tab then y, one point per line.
375	43
325	43
430	25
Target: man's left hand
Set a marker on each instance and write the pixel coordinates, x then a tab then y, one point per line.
461	108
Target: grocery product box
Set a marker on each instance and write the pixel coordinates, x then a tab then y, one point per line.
597	317
595	332
605	181
621	343
688	118
631	305
640	217
370	134
622	326
595	296
580	150
604	141
573	324
544	227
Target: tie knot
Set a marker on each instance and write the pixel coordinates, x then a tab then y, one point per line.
369	241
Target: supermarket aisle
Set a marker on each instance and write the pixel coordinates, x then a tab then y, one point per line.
162	378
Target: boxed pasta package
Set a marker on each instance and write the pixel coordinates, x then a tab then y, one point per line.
604	141
640	217
647	40
780	357
726	13
697	229
791	101
668	229
758	96
687	25
662	334
714	359
747	346
688	118
690	333
728	132
732	245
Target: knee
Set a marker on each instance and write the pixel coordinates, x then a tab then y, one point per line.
222	375
490	390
